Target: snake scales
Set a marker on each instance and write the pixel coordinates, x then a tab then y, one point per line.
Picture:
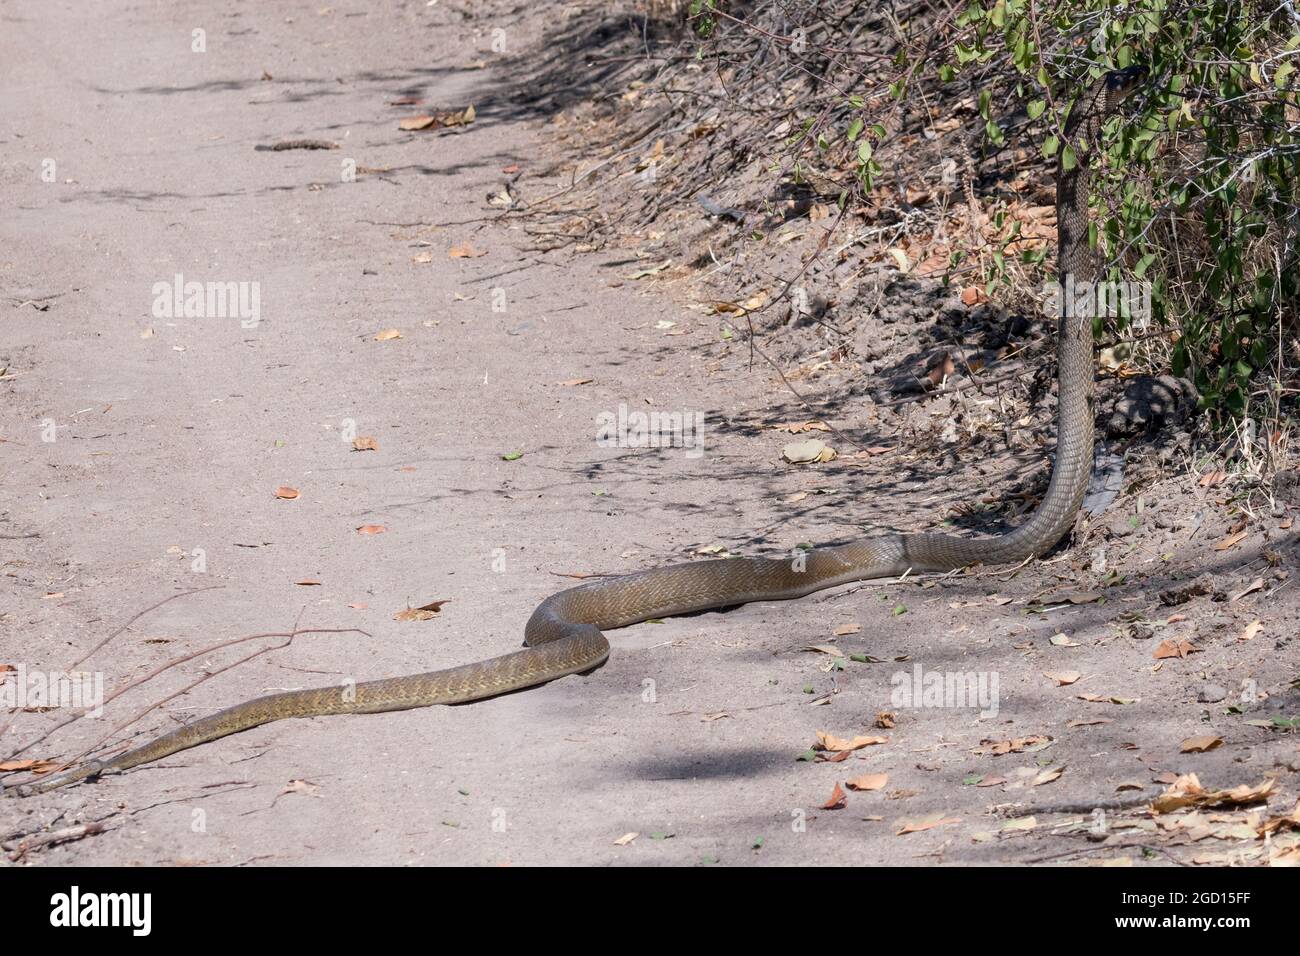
563	636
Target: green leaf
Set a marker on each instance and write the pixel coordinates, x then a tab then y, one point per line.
512	456
1034	108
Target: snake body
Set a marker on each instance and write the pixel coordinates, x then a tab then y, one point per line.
564	635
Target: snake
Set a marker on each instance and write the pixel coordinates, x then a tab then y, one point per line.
565	634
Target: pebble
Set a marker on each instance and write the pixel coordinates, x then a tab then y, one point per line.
1211	694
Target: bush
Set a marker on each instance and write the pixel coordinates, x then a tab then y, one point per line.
1197	192
1201	186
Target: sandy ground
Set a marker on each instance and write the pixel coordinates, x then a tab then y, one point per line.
170	436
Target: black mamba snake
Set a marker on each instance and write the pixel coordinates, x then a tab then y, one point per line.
563	636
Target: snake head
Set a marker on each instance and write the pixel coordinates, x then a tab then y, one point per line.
1120	83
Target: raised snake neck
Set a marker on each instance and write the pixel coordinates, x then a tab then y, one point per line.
563	636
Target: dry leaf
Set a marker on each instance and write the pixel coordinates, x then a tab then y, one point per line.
300	786
1062	678
446	118
1174	648
1107	699
1047	776
626	838
1186	791
837	800
1290	821
917	824
1255	585
1023	823
35	766
795	428
371	529
1199	745
868	781
825	649
844	629
387	334
827	741
997	748
1231	541
803	452
365	443
465	250
1070	597
284	491
1253	628
423	613
416	122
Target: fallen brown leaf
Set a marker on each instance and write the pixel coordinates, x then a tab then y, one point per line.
1062	678
918	824
868	781
827	741
838	799
416	122
1231	541
1186	791
423	613
1047	776
1174	648
35	766
997	748
465	250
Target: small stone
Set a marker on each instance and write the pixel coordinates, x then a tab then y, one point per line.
1211	694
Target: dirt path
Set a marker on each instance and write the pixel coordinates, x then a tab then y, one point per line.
171	436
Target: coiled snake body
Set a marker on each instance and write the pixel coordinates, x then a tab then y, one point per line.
563	636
